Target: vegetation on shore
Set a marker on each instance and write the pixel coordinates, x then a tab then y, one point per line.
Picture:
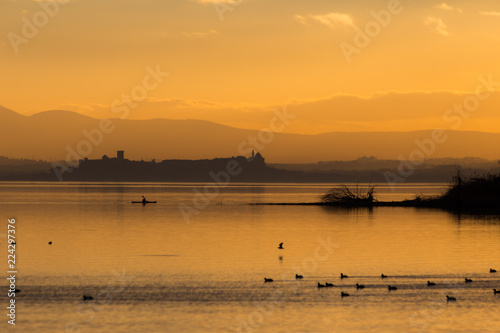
476	195
344	195
480	193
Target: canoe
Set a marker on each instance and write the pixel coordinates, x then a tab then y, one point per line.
143	202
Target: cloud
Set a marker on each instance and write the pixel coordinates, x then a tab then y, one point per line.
86	109
301	19
229	2
333	20
437	24
445	6
200	34
342	112
489	13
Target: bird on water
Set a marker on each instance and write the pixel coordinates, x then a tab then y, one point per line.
343	276
450	299
429	283
281	246
392	288
468	280
268	280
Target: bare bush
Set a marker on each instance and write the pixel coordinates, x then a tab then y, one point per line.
346	195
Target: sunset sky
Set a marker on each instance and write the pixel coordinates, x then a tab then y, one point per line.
232	62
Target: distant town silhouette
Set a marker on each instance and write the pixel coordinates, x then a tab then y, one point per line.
243	169
121	169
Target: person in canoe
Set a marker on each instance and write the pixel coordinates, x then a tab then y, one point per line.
144	201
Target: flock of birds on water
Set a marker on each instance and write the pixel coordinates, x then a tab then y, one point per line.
329	285
389	287
85	297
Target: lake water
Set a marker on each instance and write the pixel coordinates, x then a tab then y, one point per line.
152	269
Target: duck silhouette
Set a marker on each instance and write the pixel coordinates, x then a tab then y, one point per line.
268	280
343	294
383	276
281	246
392	288
493	270
496	291
297	276
329	284
87	298
429	283
321	285
343	276
468	280
359	286
450	299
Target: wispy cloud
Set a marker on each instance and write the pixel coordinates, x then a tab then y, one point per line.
489	13
200	34
437	24
333	20
229	2
445	6
301	19
82	108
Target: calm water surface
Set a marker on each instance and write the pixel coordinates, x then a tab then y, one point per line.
150	269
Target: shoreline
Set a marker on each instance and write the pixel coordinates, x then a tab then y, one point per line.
406	203
476	210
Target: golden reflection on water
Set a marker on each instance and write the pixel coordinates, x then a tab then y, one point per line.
224	253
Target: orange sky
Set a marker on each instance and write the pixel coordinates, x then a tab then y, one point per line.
233	61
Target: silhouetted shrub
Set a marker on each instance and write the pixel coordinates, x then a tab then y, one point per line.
351	196
478	192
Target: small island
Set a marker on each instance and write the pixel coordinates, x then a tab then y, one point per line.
477	195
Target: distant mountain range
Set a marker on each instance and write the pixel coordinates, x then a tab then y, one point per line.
51	135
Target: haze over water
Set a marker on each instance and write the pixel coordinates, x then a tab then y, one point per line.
150	271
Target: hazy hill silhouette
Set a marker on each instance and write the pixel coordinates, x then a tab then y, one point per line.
46	135
385	111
